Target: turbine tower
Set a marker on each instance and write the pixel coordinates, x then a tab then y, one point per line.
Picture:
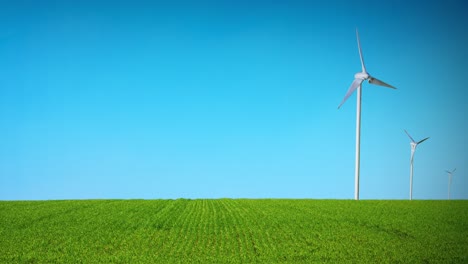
359	78
450	174
413	144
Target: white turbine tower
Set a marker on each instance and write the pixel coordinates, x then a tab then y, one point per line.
450	174
357	84
413	144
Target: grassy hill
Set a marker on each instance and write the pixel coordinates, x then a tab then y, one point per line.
233	231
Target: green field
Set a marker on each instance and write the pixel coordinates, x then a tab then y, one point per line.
233	231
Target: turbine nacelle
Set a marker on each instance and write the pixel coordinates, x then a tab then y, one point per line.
361	76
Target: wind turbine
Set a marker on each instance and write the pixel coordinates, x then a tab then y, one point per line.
413	144
359	78
450	174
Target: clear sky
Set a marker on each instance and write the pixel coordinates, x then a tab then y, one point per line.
210	99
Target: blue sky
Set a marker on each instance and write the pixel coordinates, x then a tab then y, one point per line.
209	99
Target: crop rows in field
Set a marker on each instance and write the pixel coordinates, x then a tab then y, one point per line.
234	231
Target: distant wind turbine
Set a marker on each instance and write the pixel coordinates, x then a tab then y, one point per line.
450	174
357	84
413	144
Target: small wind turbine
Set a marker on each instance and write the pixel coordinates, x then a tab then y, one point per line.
413	144
450	174
357	84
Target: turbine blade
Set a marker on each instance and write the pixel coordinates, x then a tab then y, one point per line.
410	136
351	89
375	81
449	172
360	52
454	170
422	140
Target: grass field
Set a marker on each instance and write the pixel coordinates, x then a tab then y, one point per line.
233	231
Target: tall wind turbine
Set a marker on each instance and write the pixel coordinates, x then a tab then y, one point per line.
357	84
450	174
413	144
